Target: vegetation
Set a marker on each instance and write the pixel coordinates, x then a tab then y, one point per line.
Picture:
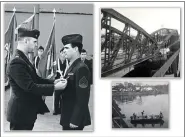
138	89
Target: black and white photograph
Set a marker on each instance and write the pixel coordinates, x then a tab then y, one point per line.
140	104
92	68
48	66
140	42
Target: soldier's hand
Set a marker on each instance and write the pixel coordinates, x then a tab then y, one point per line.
72	125
56	81
61	84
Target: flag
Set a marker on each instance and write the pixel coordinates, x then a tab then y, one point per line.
29	24
9	43
10	35
47	63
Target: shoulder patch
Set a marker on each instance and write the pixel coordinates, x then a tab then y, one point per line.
83	82
17	56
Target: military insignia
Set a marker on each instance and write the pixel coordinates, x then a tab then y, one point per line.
83	82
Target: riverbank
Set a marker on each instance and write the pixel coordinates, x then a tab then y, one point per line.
143	93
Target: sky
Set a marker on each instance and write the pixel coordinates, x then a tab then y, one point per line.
150	19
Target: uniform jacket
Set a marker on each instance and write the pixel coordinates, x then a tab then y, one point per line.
26	91
89	65
76	95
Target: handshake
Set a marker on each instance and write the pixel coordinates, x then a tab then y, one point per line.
60	84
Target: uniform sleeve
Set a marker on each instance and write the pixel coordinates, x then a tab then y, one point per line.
23	79
82	95
91	70
44	81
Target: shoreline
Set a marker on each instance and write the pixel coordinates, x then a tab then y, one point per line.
139	93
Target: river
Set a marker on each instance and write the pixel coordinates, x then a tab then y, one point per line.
151	104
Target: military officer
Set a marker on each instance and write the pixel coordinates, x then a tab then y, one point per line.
37	58
26	86
36	63
75	112
62	65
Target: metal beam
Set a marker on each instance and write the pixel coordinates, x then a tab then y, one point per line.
117	31
109	72
174	44
161	72
116	15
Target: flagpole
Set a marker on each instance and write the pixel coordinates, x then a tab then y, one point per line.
14	10
14	41
34	9
36	25
54	15
36	12
54	18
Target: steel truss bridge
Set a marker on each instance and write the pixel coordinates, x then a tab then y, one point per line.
122	53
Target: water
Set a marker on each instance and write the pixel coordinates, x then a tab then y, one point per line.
151	104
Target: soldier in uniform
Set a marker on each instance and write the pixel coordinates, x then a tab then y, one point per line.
37	58
26	86
75	112
83	56
36	63
62	65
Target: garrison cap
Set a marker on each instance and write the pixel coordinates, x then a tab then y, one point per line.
23	32
72	38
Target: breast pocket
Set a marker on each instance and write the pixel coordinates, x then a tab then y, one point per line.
70	80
